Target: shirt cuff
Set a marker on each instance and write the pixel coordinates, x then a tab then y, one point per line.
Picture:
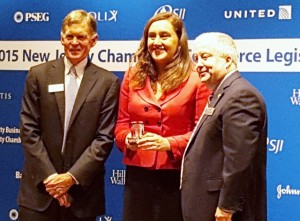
76	181
227	210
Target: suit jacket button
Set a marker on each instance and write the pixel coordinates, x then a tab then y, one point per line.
159	123
146	109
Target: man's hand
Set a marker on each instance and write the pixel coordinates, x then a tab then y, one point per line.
64	200
58	184
221	215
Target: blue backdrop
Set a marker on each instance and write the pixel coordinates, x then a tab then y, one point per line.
268	37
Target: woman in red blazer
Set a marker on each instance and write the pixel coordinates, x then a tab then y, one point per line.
164	92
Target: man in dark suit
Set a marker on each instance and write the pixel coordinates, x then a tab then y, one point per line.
224	166
66	143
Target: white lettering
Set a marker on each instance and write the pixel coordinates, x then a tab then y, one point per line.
251	13
105	16
296	92
37	16
12	130
2	140
9	139
18	175
275	145
286	191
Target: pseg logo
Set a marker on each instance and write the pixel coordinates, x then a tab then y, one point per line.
168	8
295	98
284	12
31	17
275	145
13	214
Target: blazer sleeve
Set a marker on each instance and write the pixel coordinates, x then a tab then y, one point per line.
178	143
37	160
243	120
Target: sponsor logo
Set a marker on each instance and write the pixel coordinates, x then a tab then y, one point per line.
18	174
105	218
5	96
13	214
295	98
275	145
108	16
31	17
286	191
282	13
285	12
12	135
168	8
118	177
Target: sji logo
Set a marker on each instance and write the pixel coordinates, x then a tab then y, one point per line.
168	8
275	145
295	98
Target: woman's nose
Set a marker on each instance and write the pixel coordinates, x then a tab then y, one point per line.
157	40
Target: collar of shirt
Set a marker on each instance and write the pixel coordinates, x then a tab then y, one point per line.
79	70
226	76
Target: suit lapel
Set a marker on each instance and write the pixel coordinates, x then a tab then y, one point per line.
213	103
56	76
147	94
88	81
172	95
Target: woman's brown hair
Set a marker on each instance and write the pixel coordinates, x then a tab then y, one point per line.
176	71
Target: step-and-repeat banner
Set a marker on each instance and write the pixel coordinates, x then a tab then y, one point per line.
268	37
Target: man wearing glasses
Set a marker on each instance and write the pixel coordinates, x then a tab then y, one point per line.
224	165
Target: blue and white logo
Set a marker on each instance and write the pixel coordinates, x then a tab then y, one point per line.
105	16
31	17
168	8
275	145
285	12
295	98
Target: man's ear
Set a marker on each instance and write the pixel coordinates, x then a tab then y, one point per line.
94	40
228	60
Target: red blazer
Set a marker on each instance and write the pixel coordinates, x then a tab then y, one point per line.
173	117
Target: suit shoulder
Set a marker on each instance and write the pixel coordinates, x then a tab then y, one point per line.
46	65
102	72
242	85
